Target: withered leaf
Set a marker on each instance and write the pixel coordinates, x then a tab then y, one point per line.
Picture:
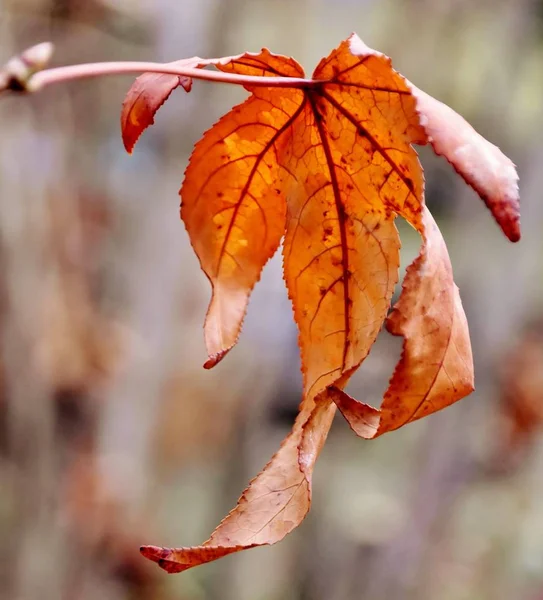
436	367
329	165
146	95
275	502
482	164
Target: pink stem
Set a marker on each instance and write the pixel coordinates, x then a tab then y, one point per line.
47	77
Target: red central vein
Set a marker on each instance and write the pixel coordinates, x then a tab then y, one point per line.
249	181
341	221
341	109
357	64
371	88
255	63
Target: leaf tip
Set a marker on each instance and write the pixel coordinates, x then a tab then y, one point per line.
506	212
359	48
512	230
186	83
154	553
514	238
128	144
161	556
215	359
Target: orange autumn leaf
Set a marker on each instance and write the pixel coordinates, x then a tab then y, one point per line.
275	502
436	367
328	164
355	169
146	95
232	196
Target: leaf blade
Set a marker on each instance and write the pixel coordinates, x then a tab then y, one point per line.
436	366
479	162
354	170
144	98
274	503
340	262
236	217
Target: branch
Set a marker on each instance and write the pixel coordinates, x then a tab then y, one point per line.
26	73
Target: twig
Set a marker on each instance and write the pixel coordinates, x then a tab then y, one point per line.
26	72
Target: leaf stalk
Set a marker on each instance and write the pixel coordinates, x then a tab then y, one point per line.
34	81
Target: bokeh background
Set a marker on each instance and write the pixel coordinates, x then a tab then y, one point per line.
112	434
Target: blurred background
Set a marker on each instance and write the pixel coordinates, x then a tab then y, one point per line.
111	433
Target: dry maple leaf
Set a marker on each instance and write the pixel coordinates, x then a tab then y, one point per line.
327	164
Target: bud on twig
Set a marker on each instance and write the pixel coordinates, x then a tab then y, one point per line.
16	75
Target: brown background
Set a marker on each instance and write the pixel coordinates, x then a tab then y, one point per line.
111	433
